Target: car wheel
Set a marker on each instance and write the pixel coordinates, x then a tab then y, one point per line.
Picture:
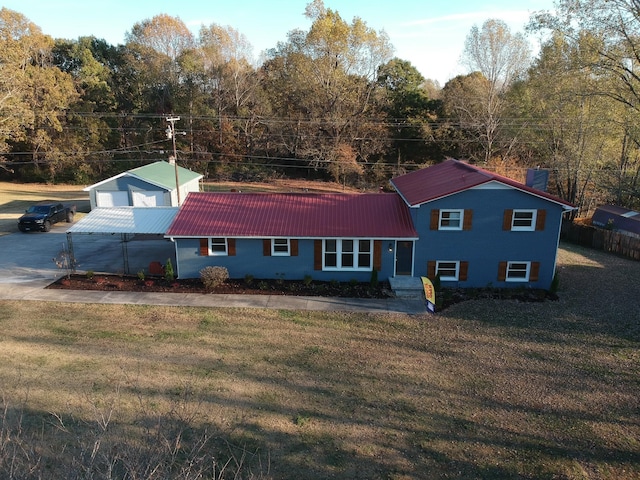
70	217
47	226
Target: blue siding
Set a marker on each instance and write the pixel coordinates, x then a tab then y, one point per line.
126	183
249	259
487	244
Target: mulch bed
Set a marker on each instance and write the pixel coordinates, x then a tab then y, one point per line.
445	296
253	287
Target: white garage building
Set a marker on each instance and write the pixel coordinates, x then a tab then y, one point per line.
152	185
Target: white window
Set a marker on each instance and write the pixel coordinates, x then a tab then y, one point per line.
280	247
347	254
523	220
518	271
448	271
218	246
451	219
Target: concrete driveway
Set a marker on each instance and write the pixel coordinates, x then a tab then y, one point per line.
26	257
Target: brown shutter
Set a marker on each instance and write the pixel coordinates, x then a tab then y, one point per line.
231	247
294	247
431	269
502	271
266	247
464	269
377	255
540	219
468	216
317	255
506	220
435	219
204	247
534	273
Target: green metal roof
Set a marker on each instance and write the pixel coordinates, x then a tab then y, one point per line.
163	174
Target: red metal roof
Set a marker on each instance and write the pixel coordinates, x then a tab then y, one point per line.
453	176
293	215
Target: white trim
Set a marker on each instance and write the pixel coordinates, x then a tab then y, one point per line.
518	279
456	277
395	257
213	253
451	210
491	185
529	228
339	253
275	253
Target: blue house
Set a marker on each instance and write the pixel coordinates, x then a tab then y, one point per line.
477	228
291	235
468	226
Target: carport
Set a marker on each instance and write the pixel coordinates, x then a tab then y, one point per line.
146	225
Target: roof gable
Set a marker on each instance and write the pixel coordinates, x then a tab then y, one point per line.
293	215
453	176
161	174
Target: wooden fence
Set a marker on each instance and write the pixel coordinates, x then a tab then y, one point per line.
602	239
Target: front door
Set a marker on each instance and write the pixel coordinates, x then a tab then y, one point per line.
404	258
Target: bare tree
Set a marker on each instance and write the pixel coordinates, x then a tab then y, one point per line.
501	57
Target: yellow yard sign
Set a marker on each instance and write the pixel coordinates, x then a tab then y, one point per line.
429	294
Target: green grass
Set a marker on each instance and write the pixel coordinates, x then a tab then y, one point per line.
486	389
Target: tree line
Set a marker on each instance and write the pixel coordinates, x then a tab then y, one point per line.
330	102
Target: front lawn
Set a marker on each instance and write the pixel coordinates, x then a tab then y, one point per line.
486	389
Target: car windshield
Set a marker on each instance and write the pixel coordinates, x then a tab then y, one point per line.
38	209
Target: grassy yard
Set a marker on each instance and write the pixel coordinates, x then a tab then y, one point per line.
486	389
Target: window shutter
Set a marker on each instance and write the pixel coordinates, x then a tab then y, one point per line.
541	216
204	247
506	220
294	247
435	219
266	247
317	255
468	216
431	269
231	247
502	271
464	269
377	255
534	273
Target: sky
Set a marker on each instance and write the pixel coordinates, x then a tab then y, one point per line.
428	33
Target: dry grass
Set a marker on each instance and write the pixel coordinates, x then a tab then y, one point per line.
487	389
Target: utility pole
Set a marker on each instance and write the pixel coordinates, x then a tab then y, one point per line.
171	133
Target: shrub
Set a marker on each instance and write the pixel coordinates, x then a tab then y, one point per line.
307	280
213	276
141	275
248	279
89	274
374	278
168	271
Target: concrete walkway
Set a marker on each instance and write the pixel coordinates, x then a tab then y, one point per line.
36	291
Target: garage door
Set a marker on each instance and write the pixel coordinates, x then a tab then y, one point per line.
112	199
148	199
